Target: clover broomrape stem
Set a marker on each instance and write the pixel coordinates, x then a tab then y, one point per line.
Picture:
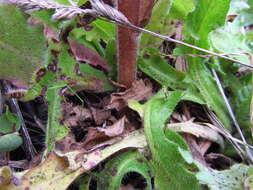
127	42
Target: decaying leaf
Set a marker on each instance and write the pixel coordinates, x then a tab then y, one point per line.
115	129
139	91
83	53
198	130
99	135
59	170
74	115
100	115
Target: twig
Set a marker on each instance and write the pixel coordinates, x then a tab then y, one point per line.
28	146
226	134
231	113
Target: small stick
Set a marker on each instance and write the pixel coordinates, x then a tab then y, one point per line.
232	115
28	146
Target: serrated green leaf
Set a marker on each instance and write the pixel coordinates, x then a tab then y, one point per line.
10	142
110	178
55	131
22	47
170	167
207	16
235	178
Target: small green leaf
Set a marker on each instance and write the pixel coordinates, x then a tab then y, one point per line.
157	68
159	22
101	30
110	178
55	131
9	122
10	142
181	8
84	182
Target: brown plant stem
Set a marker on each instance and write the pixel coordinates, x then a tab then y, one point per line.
127	42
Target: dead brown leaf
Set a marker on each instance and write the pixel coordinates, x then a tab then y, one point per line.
219	161
68	143
50	33
194	148
83	53
115	129
100	115
98	135
139	91
74	115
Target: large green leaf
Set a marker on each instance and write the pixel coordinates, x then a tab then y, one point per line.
170	167
22	47
235	37
207	16
238	177
111	177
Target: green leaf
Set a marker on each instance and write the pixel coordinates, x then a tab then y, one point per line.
207	16
10	142
101	30
111	59
22	47
84	182
240	96
9	122
91	78
235	37
110	178
236	178
181	8
55	131
157	68
159	22
170	167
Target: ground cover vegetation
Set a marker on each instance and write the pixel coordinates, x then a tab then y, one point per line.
126	94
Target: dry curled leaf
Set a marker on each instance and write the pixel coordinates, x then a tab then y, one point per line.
83	53
98	135
138	92
74	115
115	129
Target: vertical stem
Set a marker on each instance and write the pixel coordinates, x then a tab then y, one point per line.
127	42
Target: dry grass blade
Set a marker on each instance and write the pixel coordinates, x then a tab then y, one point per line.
198	130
